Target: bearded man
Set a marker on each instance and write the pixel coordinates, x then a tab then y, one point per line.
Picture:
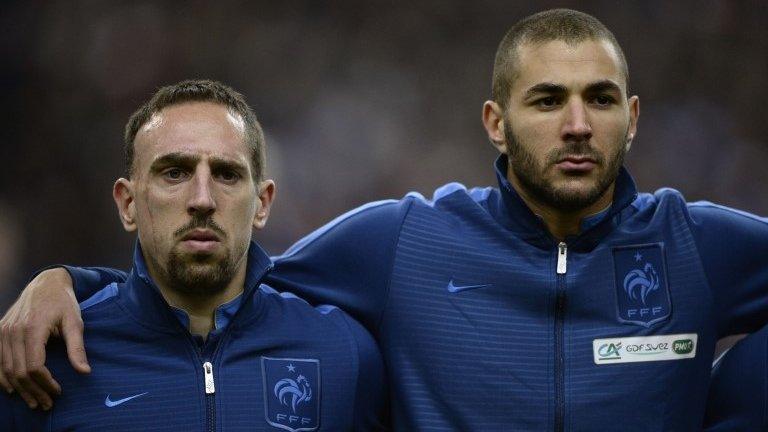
192	339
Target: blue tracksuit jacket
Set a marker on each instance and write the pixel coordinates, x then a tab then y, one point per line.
272	363
487	323
738	398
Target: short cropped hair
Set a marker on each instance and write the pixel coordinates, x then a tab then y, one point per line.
198	91
565	25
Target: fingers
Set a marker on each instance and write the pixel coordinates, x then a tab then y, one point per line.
9	366
4	383
72	331
47	306
6	364
36	338
23	375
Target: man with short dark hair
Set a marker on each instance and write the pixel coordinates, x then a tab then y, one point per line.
564	299
192	339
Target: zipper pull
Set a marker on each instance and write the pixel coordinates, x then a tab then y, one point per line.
562	257
208	370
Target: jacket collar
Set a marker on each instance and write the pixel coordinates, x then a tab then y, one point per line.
144	301
515	215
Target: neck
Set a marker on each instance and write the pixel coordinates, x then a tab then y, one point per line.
561	223
201	309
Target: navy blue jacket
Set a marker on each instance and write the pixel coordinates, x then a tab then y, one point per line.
487	323
738	397
273	362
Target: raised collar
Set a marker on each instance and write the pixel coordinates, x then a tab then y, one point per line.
515	214
142	298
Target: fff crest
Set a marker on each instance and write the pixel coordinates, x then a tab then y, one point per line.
642	293
291	393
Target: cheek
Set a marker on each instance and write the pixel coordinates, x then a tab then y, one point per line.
535	138
155	218
238	214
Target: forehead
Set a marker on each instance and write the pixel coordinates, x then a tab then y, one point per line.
196	128
571	65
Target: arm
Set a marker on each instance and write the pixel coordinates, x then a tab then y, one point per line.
346	263
733	246
371	396
46	307
737	394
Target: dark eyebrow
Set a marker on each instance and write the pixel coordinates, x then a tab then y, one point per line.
218	163
170	159
548	88
603	86
189	160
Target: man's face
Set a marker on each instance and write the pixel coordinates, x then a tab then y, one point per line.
193	198
568	123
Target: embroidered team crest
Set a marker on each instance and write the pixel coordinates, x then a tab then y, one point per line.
291	393
641	284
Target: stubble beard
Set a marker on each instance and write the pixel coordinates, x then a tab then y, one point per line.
532	179
200	275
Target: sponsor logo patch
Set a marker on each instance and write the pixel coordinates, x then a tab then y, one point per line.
642	294
291	393
644	348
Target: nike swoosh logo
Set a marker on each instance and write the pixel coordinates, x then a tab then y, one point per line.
111	403
459	288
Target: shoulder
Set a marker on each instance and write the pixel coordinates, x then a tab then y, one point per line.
660	200
451	193
701	214
99	310
372	218
382	220
323	318
101	298
292	306
709	214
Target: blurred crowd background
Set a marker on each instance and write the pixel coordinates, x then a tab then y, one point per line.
360	100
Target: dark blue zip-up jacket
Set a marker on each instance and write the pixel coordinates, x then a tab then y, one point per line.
273	362
487	323
738	397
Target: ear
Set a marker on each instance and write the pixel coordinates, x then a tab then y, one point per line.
123	194
266	196
634	114
493	120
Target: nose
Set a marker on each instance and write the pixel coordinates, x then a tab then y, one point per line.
201	199
576	126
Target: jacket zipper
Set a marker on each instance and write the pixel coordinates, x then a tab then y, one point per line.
210	389
562	261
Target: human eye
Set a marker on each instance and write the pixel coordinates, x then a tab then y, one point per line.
547	102
175	174
603	100
228	176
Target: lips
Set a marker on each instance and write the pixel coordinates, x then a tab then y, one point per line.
200	235
576	163
201	240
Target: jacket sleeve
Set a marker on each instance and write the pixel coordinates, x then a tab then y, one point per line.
16	417
733	246
737	394
89	280
371	407
346	263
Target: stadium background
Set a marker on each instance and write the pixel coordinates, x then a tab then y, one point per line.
359	101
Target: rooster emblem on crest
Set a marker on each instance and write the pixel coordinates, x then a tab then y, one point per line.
640	283
297	391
